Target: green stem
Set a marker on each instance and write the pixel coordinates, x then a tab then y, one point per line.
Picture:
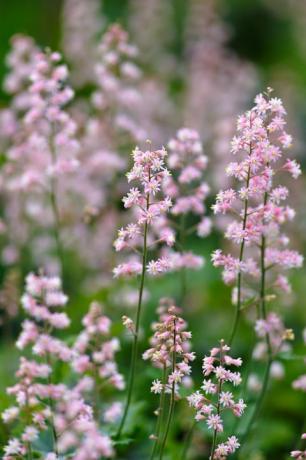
213	447
54	206
56	226
30	454
183	273
188	440
239	279
54	434
136	335
263	312
96	395
28	417
172	400
159	415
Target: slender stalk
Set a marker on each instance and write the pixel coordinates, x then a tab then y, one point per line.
188	440
172	400
30	454
96	395
29	446
159	415
263	313
241	253
56	226
54	207
136	335
52	425
183	273
213	447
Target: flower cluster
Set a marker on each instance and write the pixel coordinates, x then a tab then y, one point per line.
149	205
42	404
77	428
35	392
187	188
272	326
116	76
82	22
20	61
94	349
258	204
49	148
188	191
214	399
170	348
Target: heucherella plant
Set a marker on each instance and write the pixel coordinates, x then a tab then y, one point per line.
78	430
257	205
36	393
148	203
170	352
188	190
94	355
263	256
117	76
20	62
214	399
45	406
82	21
46	148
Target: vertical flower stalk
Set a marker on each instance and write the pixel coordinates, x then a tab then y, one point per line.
35	394
148	204
49	94
260	144
94	355
188	191
45	149
170	352
214	400
256	205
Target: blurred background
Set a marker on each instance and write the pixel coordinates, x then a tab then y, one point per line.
209	59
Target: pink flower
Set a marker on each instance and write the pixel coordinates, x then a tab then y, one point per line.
214	422
150	207
216	400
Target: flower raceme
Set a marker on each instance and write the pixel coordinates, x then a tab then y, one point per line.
170	336
213	400
49	145
35	393
188	192
118	77
42	404
148	204
94	351
170	351
258	204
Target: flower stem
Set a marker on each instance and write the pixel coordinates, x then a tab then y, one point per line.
54	206
241	253
136	335
30	454
56	227
188	439
183	273
51	405
269	348
160	415
213	447
172	400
